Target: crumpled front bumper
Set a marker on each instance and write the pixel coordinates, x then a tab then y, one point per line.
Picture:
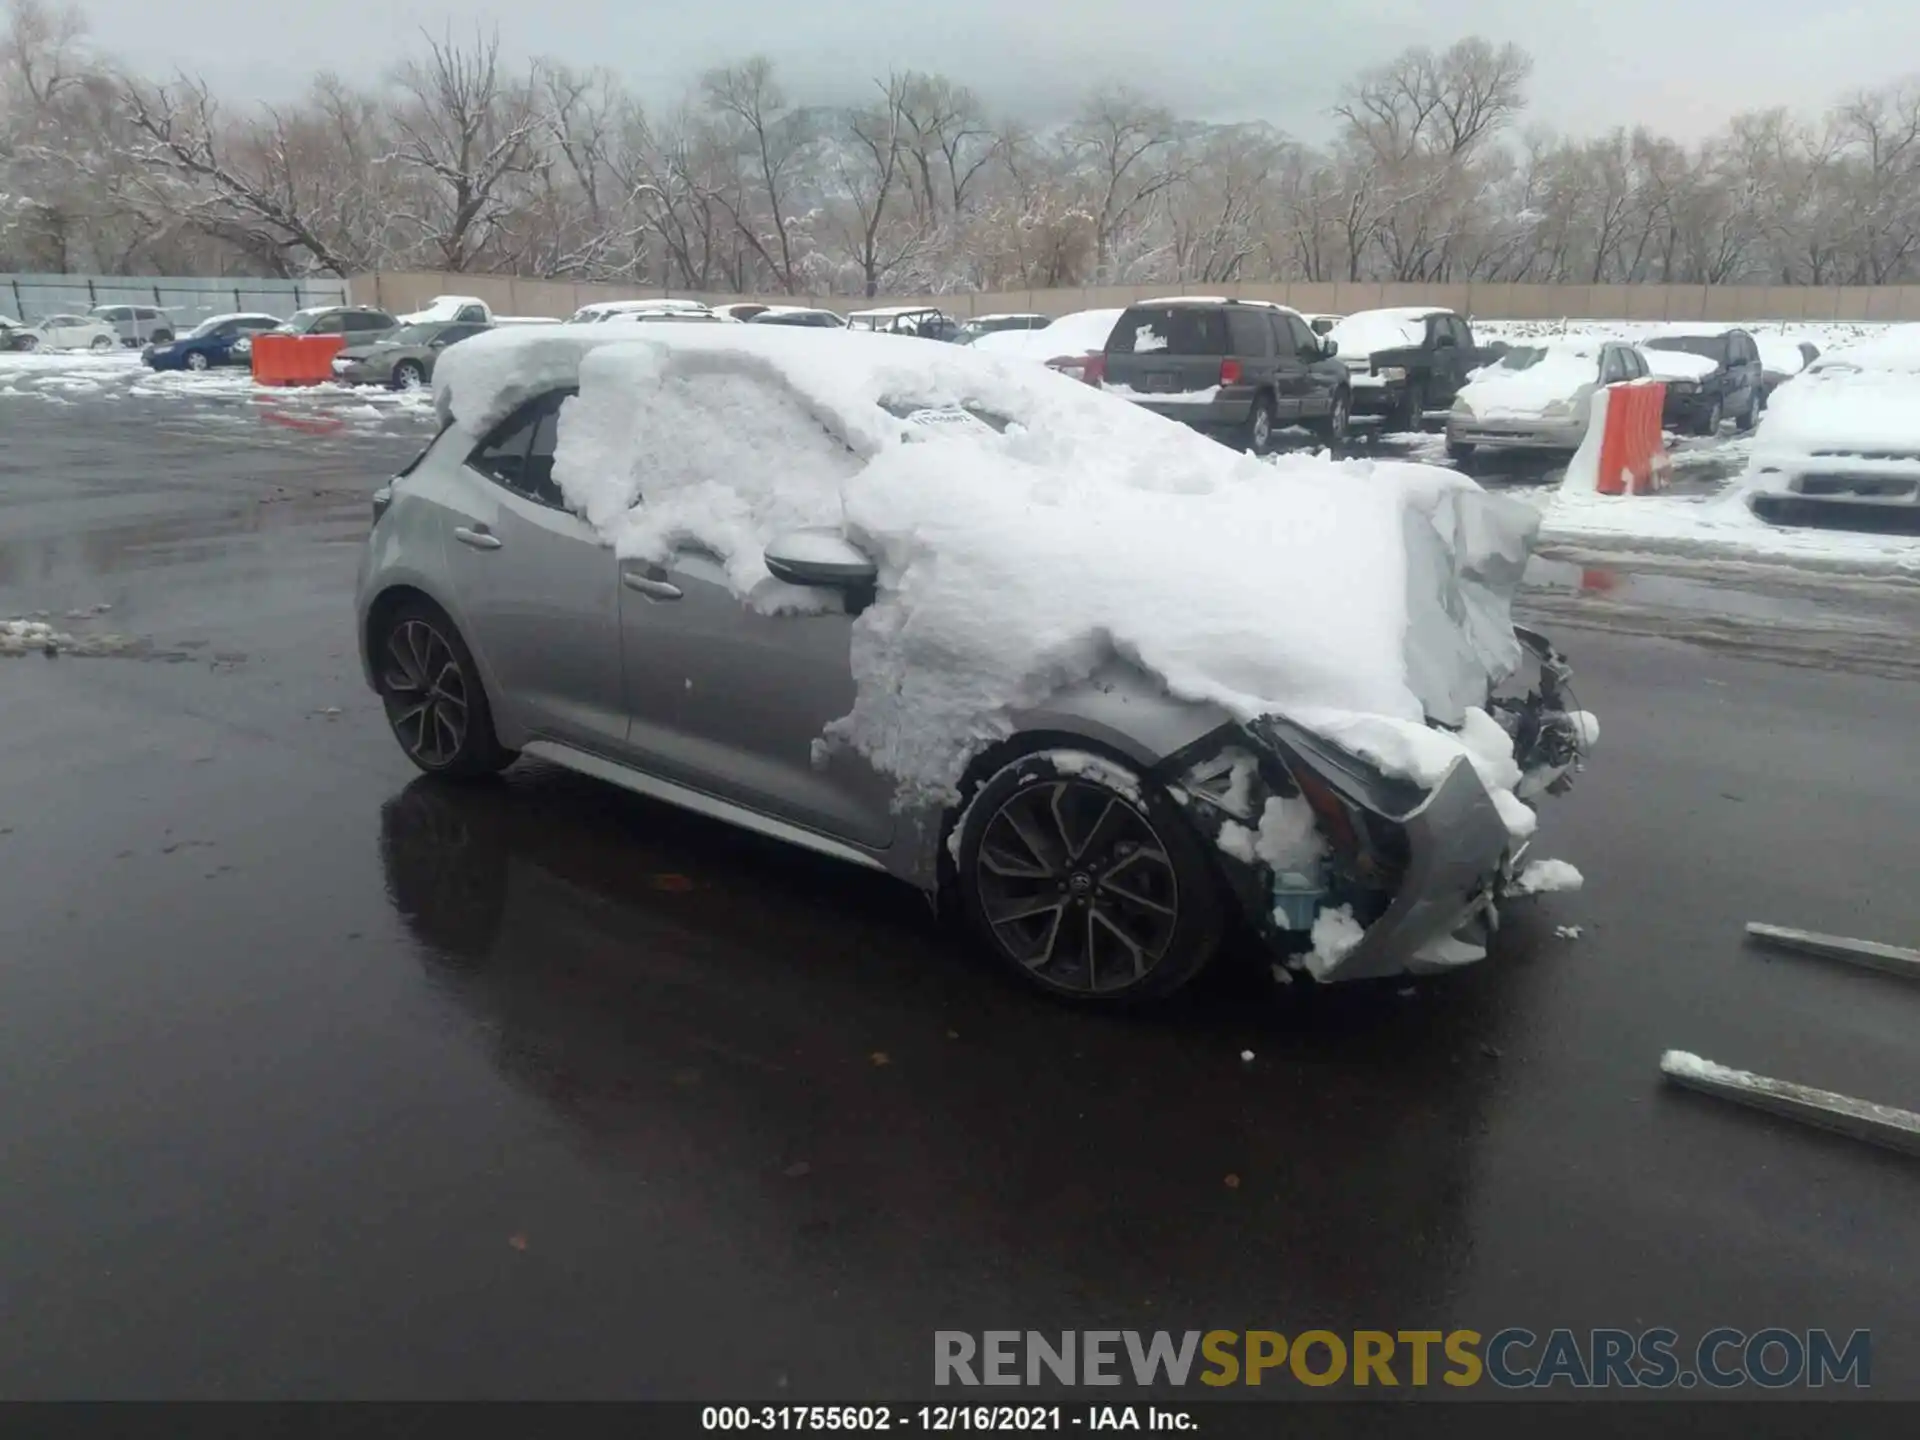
1423	870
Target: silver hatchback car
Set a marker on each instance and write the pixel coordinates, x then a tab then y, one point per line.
1103	850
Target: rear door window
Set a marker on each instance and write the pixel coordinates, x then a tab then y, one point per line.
1173	330
519	453
1249	333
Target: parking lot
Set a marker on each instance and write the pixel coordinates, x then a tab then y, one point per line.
540	1090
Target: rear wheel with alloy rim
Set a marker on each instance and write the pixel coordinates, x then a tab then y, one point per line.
1087	882
434	700
196	360
408	375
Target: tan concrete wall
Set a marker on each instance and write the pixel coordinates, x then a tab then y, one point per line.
512	295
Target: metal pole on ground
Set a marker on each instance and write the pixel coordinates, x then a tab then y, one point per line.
1884	1125
1869	954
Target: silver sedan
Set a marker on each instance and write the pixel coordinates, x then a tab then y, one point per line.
1104	851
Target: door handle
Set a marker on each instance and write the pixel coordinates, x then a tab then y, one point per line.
478	536
649	587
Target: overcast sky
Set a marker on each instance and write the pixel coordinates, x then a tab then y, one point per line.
1683	66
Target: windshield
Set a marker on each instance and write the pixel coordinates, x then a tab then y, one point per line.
1522	358
205	327
1707	347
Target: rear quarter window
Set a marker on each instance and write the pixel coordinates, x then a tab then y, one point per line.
1170	331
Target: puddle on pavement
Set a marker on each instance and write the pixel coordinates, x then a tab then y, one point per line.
1722	598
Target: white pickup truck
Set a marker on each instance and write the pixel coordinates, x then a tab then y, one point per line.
469	310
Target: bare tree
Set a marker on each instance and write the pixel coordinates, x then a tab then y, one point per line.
1116	140
772	140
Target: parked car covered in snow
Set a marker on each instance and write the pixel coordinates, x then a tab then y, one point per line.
802	316
1840	443
465	309
1239	370
603	310
1074	344
1536	397
403	359
12	334
981	325
1322	734
217	340
1712	374
67	332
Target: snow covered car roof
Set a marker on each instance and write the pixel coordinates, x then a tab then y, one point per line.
601	309
1027	529
888	312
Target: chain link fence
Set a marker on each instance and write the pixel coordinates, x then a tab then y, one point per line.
188	299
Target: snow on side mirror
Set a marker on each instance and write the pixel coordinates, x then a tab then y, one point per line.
820	557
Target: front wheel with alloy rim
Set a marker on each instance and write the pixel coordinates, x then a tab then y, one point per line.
408	375
1260	426
1086	881
434	700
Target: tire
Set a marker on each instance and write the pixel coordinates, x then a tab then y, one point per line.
435	702
1461	455
1752	420
196	360
101	344
1413	407
1087	882
29	343
1333	429
1711	425
1258	434
407	375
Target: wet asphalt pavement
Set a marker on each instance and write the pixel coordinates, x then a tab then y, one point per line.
322	1080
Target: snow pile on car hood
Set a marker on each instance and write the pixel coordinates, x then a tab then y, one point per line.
1556	375
1028	529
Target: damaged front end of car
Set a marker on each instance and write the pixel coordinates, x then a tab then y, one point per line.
1346	872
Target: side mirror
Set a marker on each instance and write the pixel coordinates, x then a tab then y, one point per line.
1329	347
820	557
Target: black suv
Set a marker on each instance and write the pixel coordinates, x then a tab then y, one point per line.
1235	369
1735	387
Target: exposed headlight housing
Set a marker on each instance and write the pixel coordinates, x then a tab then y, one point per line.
1392	372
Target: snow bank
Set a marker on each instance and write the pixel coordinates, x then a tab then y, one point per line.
1026	530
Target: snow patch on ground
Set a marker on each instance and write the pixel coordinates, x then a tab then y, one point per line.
1545	877
1335	934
